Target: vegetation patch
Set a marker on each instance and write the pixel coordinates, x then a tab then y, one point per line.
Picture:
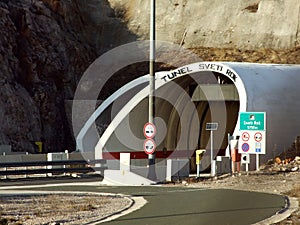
252	8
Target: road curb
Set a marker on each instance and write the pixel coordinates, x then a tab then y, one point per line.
138	202
292	205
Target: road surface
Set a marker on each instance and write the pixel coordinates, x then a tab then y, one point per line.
191	206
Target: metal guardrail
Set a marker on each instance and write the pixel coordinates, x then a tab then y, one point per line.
85	166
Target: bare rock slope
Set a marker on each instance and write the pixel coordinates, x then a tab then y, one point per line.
45	46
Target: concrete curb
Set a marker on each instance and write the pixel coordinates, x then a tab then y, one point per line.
291	206
138	202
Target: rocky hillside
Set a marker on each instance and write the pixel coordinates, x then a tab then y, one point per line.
38	67
249	24
46	45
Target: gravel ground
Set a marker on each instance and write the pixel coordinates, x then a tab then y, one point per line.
58	209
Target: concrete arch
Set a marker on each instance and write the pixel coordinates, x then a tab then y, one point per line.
261	87
162	79
104	106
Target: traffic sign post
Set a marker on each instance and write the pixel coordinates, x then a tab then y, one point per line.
211	127
253	133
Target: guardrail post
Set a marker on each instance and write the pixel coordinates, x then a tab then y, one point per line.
67	158
26	167
5	168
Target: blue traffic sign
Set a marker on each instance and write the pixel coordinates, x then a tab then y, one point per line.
245	147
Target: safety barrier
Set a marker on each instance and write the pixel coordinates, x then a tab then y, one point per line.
48	167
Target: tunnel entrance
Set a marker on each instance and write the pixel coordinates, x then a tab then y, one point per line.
218	95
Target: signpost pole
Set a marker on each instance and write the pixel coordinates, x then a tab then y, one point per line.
229	146
212	153
151	157
257	162
211	127
247	168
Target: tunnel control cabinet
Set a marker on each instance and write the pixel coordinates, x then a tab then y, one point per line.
199	155
177	169
223	165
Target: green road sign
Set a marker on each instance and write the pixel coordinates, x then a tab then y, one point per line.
252	120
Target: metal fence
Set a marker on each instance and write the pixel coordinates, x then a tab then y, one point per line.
40	164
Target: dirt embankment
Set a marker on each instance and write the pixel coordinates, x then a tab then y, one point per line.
276	56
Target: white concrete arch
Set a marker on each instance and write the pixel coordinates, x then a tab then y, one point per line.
269	88
163	78
105	105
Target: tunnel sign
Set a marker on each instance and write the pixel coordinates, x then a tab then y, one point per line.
252	120
253	133
149	130
149	146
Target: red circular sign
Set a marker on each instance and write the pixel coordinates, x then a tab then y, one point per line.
245	136
258	137
149	130
149	146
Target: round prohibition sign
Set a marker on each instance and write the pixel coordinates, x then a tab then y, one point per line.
149	130
245	147
245	136
149	146
258	137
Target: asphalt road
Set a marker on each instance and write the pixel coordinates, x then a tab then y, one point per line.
190	206
196	207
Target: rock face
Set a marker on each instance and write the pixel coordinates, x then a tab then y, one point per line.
218	23
45	46
36	75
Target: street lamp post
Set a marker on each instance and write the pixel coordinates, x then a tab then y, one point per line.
151	157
